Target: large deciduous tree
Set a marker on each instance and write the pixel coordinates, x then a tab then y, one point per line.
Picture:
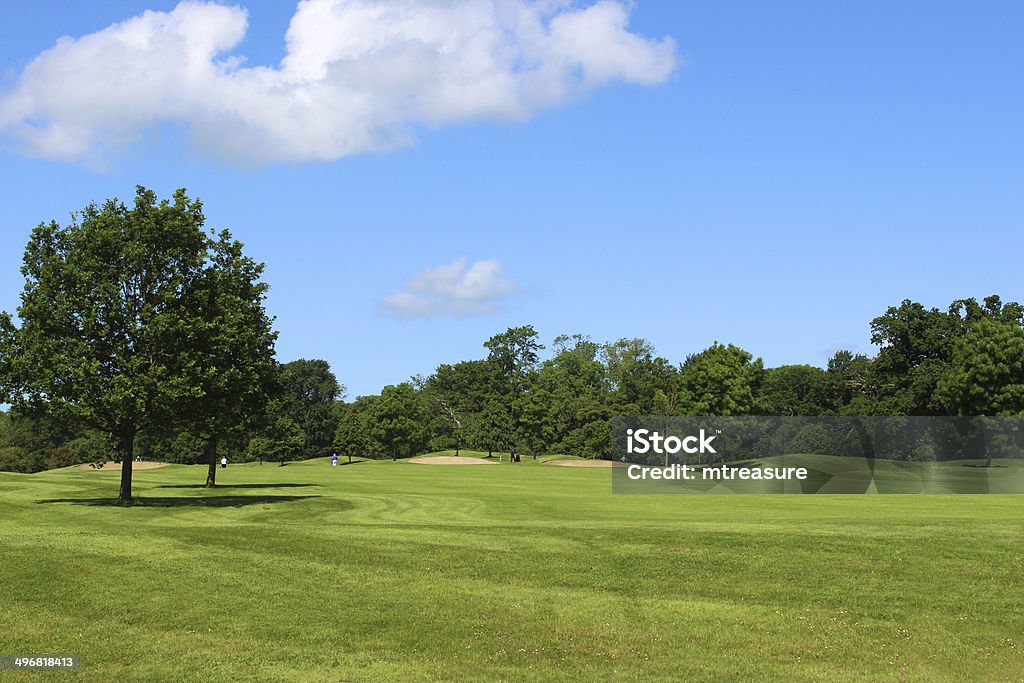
235	369
116	325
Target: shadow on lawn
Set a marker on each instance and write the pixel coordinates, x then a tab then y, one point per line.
181	501
234	486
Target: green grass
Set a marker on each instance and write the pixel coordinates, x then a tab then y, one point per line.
381	571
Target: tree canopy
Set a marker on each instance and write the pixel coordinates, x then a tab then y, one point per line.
132	318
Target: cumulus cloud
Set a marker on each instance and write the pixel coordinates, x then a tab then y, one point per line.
358	76
451	289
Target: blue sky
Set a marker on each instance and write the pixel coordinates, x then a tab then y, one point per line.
772	175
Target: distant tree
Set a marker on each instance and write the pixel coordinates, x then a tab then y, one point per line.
635	374
280	440
61	456
969	311
307	392
515	353
456	395
794	390
397	420
515	350
32	436
576	381
91	446
592	440
812	438
105	318
721	380
352	435
849	377
22	447
493	429
467	385
986	374
534	408
172	445
562	396
916	347
10	459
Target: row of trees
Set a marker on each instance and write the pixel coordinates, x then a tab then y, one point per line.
965	360
141	331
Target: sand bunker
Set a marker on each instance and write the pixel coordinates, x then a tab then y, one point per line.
450	460
582	463
116	466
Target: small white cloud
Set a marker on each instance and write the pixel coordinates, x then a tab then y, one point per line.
451	289
358	76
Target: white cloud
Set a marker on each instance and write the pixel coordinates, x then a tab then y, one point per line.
451	289
358	76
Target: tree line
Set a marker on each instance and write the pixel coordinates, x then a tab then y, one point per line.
141	332
963	361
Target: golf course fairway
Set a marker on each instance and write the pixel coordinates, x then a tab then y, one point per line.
392	571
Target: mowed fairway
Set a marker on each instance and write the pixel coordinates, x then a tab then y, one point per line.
381	571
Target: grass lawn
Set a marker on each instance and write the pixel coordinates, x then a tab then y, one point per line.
387	571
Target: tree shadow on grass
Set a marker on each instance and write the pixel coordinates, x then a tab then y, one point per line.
234	486
180	501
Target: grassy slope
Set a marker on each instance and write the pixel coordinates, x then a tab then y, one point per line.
392	571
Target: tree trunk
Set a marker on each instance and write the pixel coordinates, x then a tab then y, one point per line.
211	460
126	444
